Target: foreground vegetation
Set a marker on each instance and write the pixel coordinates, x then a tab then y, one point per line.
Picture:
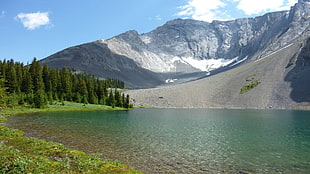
20	154
57	106
34	88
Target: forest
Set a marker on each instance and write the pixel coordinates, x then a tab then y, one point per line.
37	85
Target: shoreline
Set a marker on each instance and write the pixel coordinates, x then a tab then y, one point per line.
58	107
22	154
299	108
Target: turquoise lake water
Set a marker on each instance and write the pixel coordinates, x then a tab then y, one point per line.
183	140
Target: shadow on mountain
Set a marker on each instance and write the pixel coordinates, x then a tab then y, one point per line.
299	76
98	60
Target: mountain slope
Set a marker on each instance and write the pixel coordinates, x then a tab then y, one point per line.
184	50
284	84
97	59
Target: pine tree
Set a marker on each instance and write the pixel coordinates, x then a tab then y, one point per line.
82	89
38	85
128	105
36	74
39	99
111	99
11	79
84	99
66	83
118	98
75	83
27	84
101	92
54	78
35	85
92	98
47	78
124	100
3	95
19	76
3	68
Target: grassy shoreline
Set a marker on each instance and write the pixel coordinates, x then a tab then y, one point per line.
57	107
21	154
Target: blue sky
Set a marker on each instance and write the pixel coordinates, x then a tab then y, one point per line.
39	28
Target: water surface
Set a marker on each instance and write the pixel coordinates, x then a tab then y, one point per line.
183	140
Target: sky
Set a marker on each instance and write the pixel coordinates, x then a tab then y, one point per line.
39	28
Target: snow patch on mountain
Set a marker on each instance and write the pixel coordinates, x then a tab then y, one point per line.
146	39
170	80
208	64
239	61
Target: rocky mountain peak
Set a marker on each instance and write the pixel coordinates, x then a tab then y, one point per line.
129	35
184	46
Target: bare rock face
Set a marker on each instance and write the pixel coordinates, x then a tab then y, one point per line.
97	59
187	46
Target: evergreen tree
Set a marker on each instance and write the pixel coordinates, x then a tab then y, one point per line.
54	80
75	83
3	66
36	74
82	89
118	98
27	84
127	105
92	98
39	99
111	99
101	93
11	79
38	85
3	95
124	101
47	78
66	83
19	76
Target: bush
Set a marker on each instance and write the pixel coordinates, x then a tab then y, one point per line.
250	86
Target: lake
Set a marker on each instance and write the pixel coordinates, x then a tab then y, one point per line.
183	140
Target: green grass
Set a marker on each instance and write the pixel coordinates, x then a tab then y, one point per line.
20	154
250	86
56	107
148	107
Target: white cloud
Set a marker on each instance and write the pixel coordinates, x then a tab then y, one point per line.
155	18
205	10
251	7
2	14
291	2
32	21
158	17
209	10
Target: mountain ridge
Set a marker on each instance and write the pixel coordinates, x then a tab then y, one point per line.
185	50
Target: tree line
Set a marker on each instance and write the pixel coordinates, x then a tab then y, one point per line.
36	85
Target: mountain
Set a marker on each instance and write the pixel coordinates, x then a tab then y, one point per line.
183	50
97	59
283	78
